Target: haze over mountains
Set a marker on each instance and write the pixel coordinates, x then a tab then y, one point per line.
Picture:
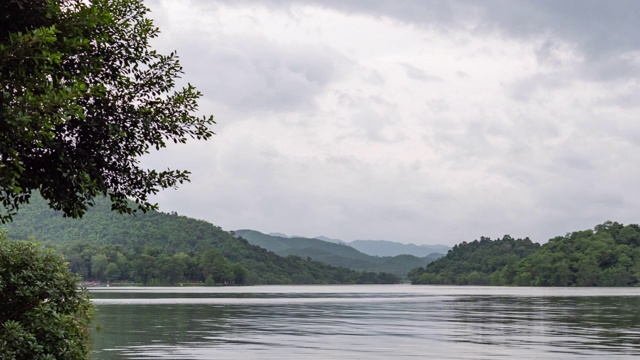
382	247
157	249
342	254
160	249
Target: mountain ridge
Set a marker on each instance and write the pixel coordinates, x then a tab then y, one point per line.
156	248
336	254
379	247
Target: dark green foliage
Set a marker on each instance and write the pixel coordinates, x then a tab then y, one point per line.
82	97
22	16
160	249
607	256
474	263
43	314
335	254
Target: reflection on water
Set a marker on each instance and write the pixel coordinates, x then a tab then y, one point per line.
367	322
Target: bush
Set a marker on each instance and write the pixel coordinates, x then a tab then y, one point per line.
43	314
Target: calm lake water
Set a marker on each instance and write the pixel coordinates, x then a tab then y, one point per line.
367	322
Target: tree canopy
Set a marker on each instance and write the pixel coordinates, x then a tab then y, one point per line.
608	255
474	263
82	97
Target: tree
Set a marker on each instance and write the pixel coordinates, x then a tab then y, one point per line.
216	267
240	274
170	269
112	272
99	264
82	97
144	269
43	315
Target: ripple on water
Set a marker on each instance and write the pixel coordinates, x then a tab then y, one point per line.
438	322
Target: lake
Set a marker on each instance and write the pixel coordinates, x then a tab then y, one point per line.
366	322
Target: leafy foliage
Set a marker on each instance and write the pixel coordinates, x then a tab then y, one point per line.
608	255
160	249
82	96
43	314
474	263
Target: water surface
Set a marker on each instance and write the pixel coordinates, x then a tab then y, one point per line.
366	322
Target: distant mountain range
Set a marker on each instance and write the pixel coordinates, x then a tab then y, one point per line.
338	253
383	247
392	248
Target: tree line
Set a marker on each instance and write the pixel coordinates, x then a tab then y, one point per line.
157	248
115	264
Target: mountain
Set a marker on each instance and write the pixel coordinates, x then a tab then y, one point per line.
336	254
328	239
392	248
279	234
608	255
157	249
383	247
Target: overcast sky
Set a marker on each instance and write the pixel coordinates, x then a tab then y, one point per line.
405	120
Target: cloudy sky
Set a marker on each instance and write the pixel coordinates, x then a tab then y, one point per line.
413	121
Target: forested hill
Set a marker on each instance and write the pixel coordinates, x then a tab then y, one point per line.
159	248
336	254
474	263
608	255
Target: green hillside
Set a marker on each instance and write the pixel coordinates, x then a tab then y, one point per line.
608	255
158	248
474	263
334	253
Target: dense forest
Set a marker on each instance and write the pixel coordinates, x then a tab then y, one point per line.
336	254
155	248
474	263
608	255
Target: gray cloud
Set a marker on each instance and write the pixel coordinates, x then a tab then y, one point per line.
255	75
418	74
315	142
599	27
614	68
404	10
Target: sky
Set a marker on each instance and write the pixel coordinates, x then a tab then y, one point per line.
426	122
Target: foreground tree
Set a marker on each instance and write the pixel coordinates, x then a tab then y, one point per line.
42	313
82	97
